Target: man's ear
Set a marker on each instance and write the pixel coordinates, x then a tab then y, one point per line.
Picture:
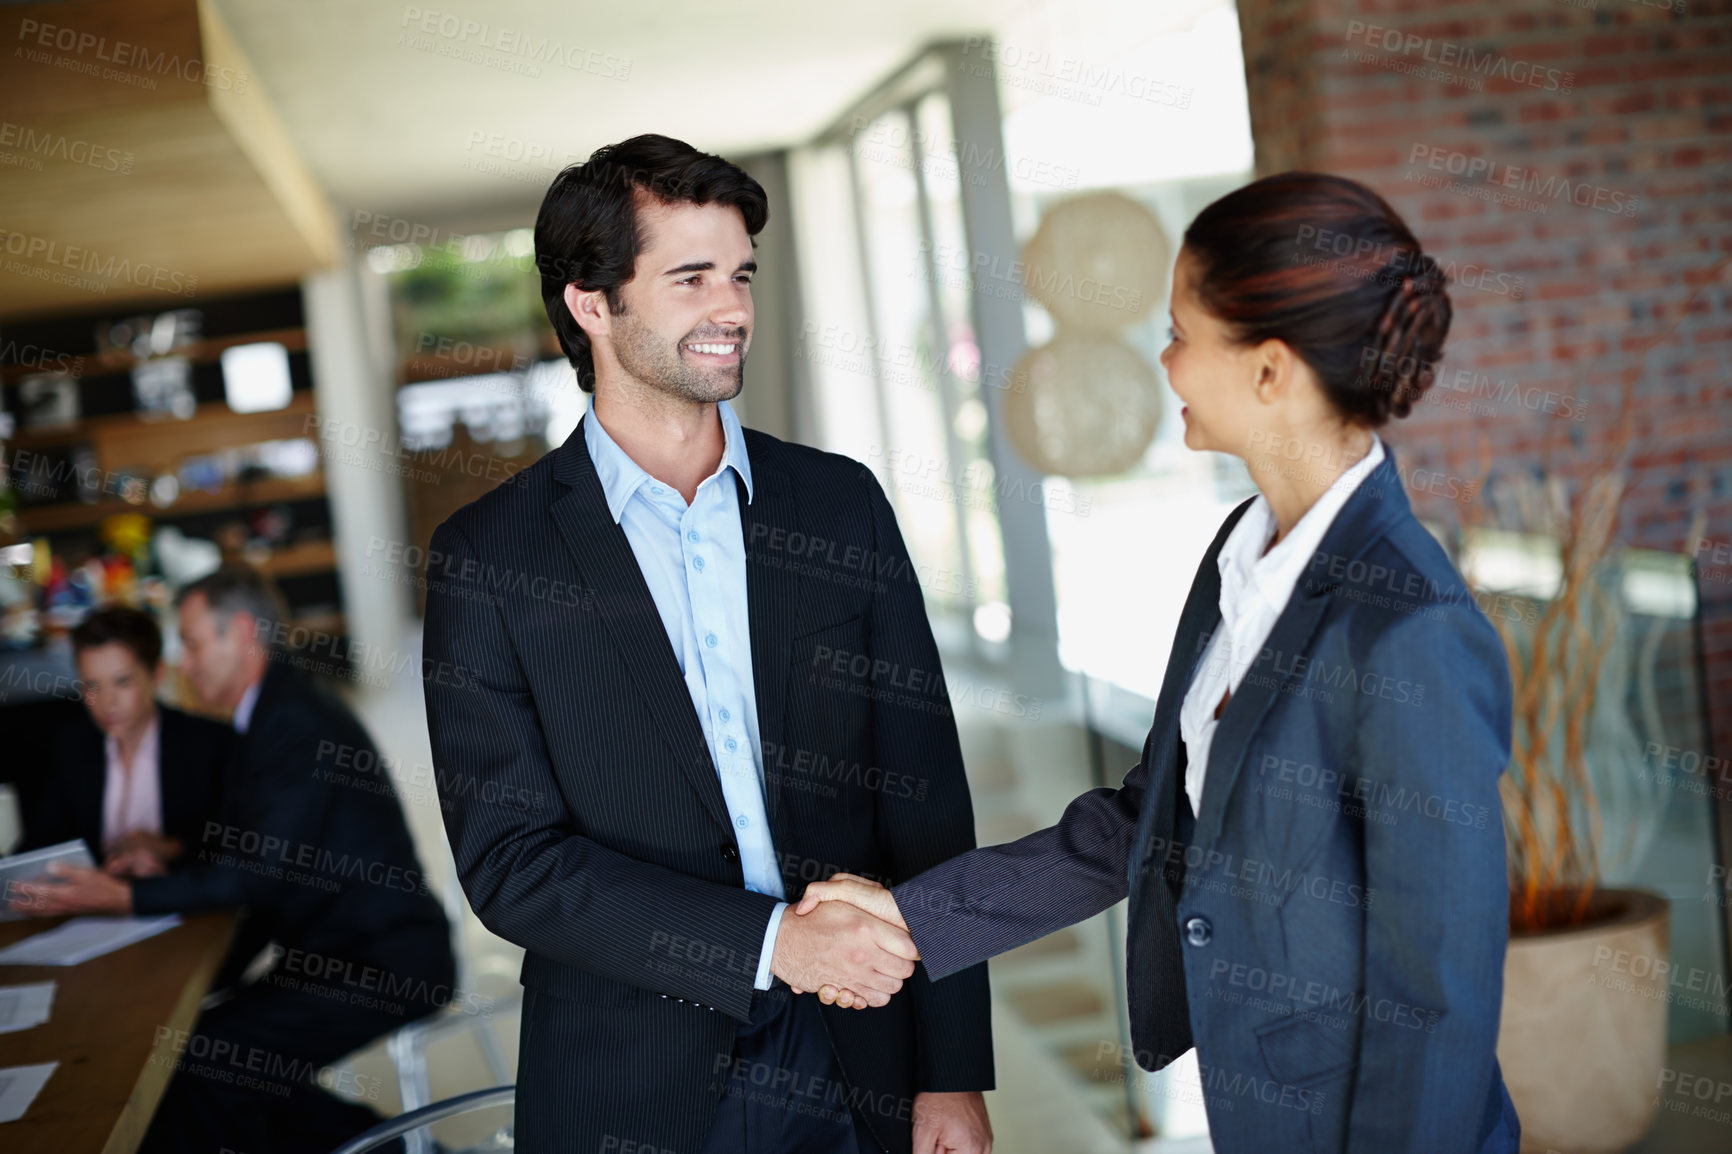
589	308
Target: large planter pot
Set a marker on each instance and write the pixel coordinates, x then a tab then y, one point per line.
1583	1033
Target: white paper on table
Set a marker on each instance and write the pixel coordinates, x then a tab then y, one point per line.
19	1086
81	939
22	1007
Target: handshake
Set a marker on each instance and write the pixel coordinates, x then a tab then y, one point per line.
847	940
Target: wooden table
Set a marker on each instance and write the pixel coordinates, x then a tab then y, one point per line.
103	1030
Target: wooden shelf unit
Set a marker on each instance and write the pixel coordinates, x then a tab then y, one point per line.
129	444
198	352
69	515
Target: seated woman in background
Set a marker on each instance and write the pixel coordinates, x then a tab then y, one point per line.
138	779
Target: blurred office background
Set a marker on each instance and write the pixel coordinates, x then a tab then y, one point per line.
282	307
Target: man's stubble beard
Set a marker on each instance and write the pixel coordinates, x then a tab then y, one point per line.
645	355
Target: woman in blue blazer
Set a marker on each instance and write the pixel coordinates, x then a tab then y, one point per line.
1312	842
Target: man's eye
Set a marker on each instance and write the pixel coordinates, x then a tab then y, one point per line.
744	279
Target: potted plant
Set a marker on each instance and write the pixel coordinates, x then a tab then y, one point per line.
1582	1039
1583	1031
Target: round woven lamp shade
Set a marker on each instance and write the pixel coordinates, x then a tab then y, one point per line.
1097	263
1082	405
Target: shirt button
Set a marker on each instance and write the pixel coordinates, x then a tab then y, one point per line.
732	745
710	640
657	490
726	715
741	821
698	564
692	536
1198	931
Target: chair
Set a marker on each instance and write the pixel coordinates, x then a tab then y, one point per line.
414	1123
408	1046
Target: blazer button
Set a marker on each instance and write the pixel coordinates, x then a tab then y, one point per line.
729	853
1198	931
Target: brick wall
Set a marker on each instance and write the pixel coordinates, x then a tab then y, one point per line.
1469	118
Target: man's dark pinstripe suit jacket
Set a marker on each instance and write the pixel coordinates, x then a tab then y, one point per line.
587	820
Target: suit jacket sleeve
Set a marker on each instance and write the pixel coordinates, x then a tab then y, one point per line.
1436	933
195	757
529	875
995	898
932	821
50	820
272	819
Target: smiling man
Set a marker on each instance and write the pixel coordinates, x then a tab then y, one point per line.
652	616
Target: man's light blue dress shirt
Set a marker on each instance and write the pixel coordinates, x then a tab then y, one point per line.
694	561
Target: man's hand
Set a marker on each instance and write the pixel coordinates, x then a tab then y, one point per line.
857	891
840	945
73	891
951	1124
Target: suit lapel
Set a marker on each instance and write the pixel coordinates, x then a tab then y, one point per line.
603	555
169	782
184	794
91	787
770	593
1364	518
1245	709
1196	622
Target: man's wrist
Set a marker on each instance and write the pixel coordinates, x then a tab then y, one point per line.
767	954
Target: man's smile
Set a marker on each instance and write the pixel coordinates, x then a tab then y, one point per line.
720	350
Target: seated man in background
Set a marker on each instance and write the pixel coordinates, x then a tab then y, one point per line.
321	860
137	780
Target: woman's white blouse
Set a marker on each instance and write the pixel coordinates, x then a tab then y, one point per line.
1255	587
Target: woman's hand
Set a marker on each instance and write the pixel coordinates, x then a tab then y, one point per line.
856	891
141	855
134	847
71	890
136	863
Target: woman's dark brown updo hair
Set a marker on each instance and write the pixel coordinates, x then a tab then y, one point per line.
1323	264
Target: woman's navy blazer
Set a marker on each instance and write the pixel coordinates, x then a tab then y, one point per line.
1329	932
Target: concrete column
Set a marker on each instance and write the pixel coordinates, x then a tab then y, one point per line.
978	126
350	346
776	399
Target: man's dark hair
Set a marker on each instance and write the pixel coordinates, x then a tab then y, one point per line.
121	625
587	231
240	589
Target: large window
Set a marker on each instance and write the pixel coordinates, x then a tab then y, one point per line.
891	345
911	216
889	268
